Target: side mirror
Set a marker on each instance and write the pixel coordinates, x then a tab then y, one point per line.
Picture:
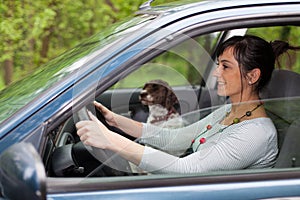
22	173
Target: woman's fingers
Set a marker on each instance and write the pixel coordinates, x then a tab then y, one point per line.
82	127
92	117
80	124
88	131
100	107
93	132
108	115
95	119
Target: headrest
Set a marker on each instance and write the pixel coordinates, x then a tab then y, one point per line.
284	83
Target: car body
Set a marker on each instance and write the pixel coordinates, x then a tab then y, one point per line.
35	110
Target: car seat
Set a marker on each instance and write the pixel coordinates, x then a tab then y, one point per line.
284	83
282	100
289	155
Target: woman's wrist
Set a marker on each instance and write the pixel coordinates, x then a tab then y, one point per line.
113	121
112	138
126	148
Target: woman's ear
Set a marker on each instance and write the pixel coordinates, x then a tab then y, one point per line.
253	76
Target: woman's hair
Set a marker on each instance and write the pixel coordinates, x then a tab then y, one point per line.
254	52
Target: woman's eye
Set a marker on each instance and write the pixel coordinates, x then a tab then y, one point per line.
225	66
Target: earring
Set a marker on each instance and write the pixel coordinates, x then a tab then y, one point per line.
250	83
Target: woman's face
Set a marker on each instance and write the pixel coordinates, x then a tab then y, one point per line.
228	76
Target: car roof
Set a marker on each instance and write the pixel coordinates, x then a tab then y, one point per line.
196	6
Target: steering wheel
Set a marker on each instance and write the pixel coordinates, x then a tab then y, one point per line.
111	168
79	160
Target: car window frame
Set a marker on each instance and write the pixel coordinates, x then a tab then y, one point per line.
195	30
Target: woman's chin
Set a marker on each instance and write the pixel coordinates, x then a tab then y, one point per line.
221	93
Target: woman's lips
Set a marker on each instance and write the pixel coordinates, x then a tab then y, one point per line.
221	83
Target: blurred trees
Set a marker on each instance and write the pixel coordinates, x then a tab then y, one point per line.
32	32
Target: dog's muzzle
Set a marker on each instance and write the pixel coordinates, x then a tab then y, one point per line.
145	97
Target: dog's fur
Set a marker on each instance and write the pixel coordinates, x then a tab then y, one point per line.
162	102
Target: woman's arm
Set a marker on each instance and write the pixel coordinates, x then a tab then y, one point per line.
177	141
129	126
174	141
236	148
250	145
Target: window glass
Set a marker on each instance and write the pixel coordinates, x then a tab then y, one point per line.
182	65
290	61
22	92
185	65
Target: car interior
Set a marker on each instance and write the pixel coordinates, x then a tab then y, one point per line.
66	156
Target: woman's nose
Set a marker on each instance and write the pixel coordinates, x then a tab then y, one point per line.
216	72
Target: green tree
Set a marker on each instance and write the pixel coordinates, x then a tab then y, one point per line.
33	32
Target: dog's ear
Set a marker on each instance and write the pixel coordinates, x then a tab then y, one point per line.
145	85
171	99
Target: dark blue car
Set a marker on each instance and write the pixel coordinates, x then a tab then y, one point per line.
41	156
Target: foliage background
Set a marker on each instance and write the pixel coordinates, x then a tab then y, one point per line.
33	32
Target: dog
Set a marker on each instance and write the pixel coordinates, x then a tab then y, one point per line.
162	103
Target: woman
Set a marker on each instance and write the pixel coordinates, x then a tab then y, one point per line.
236	136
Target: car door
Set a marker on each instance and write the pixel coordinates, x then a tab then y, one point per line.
252	184
249	184
241	184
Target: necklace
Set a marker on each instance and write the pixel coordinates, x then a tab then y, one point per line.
209	127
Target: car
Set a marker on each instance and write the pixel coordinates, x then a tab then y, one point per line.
42	157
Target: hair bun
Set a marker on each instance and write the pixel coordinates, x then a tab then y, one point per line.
279	47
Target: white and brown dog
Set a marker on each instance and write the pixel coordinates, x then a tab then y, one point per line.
162	102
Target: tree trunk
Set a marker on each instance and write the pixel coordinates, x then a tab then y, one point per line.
45	43
108	2
46	39
291	58
8	71
8	63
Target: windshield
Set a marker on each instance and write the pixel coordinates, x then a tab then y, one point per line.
17	95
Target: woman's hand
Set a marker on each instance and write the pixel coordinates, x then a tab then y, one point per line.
94	133
127	125
107	114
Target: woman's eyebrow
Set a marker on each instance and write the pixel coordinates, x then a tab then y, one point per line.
226	61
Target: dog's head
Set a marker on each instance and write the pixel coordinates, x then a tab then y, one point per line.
158	92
